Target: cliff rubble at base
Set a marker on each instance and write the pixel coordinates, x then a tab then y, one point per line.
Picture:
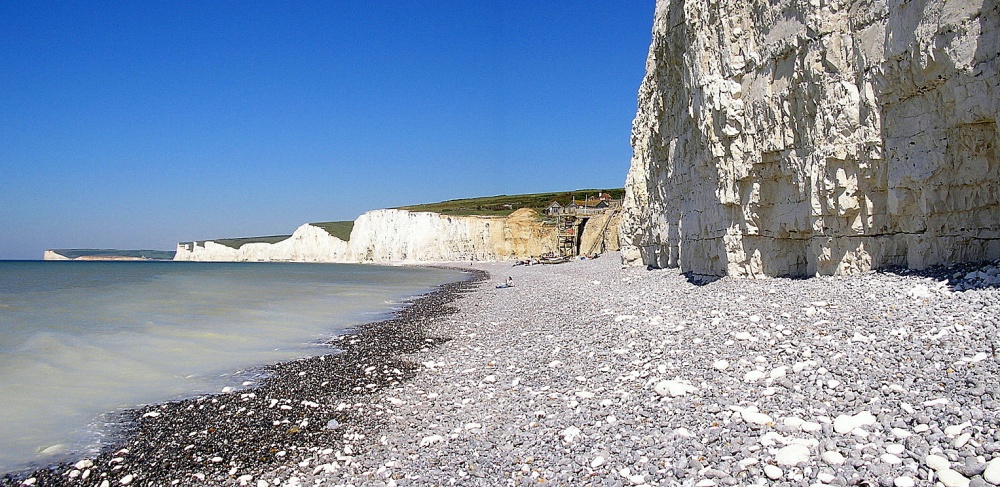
406	236
802	137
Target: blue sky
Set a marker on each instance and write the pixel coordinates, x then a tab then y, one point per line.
140	124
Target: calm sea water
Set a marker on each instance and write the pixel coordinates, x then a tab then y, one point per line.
81	339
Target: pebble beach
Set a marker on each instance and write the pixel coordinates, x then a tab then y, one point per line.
586	373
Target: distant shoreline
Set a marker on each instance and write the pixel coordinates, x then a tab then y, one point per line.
108	255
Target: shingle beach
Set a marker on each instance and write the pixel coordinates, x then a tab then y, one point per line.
585	373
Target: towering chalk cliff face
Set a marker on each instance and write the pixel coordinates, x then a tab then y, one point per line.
405	236
801	137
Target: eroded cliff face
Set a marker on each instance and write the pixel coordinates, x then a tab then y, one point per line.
405	236
816	137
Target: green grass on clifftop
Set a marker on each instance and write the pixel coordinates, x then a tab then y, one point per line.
504	205
341	230
236	243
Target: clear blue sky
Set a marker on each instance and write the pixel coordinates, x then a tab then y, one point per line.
140	124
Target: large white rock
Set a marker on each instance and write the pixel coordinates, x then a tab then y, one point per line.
992	472
951	478
674	388
755	417
793	454
937	462
846	423
773	472
800	138
833	457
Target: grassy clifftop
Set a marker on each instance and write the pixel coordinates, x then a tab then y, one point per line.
341	230
239	242
504	205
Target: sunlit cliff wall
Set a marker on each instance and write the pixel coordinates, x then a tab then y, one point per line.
399	235
816	137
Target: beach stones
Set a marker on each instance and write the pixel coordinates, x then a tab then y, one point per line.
937	462
992	472
848	423
833	457
753	416
951	478
793	454
574	385
674	388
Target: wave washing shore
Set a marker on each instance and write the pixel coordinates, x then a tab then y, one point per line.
589	374
82	339
209	440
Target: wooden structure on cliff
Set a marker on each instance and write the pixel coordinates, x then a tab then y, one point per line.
567	236
570	233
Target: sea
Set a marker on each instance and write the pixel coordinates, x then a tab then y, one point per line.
80	341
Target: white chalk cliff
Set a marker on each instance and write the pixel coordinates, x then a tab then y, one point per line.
307	244
816	137
406	236
411	237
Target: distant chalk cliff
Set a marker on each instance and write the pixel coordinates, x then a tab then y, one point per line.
308	244
107	255
407	236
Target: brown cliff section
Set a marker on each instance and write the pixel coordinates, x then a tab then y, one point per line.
573	234
803	137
